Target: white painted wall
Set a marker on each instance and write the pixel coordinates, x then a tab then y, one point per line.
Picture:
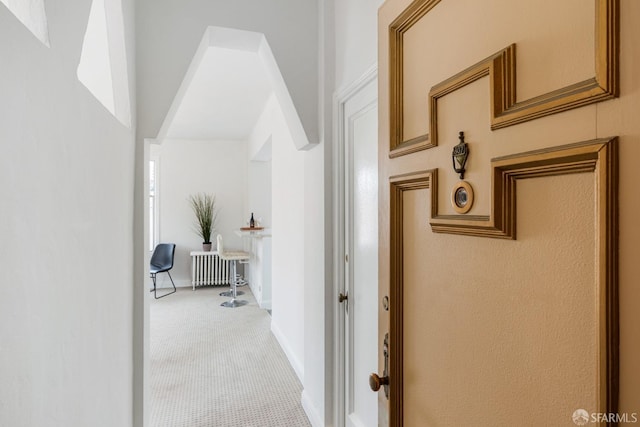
298	261
288	218
259	192
315	305
355	38
66	221
189	167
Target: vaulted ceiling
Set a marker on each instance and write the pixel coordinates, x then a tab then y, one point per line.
223	99
225	89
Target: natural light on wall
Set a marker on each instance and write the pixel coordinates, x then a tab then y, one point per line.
103	62
32	14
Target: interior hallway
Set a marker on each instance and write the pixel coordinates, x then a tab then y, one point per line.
215	366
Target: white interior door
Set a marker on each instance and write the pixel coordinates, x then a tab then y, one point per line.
361	247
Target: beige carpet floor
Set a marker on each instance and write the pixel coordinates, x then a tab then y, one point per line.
217	366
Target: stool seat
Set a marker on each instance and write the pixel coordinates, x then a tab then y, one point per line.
234	255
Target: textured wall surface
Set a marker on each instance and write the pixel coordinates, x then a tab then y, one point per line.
66	222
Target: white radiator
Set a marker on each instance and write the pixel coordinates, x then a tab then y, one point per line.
208	269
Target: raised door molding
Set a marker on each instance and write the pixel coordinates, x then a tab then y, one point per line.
501	69
599	157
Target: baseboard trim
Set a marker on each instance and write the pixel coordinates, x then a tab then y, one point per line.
166	284
312	412
180	283
266	305
284	344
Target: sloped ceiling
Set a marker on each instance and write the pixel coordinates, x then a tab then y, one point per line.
224	98
225	89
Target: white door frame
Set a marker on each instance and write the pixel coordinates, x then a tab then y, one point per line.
341	227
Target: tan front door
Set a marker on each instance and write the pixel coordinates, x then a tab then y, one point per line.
502	278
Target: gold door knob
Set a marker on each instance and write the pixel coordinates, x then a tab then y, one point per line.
375	382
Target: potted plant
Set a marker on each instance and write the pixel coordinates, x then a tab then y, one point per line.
203	206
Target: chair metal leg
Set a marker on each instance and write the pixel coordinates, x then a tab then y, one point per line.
155	295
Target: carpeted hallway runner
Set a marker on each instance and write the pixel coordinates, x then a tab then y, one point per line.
216	366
